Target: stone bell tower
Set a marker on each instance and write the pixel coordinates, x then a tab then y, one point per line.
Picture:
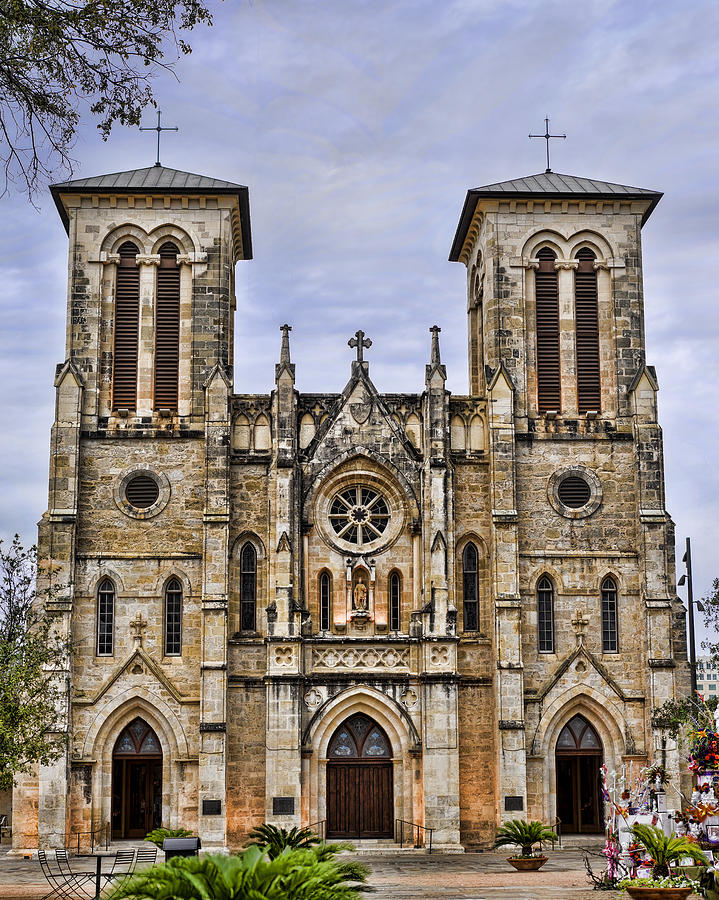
139	497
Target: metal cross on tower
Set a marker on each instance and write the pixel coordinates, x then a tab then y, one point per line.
360	342
159	128
547	137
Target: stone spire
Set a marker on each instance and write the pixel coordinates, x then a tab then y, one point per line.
435	372
434	358
285	363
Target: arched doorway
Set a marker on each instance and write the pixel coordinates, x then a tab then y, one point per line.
359	781
579	757
136	781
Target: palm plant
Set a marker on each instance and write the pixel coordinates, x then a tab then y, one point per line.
296	874
275	839
157	835
524	834
664	849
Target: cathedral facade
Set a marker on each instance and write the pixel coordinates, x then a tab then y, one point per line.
353	609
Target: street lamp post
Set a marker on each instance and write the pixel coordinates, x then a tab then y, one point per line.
687	578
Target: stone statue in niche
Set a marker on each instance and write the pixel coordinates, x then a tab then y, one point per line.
359	597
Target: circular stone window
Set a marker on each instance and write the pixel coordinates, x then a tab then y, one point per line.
574	492
359	514
141	493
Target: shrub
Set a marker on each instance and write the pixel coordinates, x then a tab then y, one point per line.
664	849
275	839
293	875
157	835
524	834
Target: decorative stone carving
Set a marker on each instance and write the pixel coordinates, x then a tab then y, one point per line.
409	698
138	626
579	624
361	658
313	698
284	657
439	656
360	596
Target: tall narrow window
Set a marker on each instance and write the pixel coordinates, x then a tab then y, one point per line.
167	329
586	312
547	307
325	590
609	616
248	588
545	615
394	601
173	618
470	588
127	329
105	618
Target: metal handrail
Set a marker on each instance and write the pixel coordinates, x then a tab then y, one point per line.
418	834
556	827
320	827
103	830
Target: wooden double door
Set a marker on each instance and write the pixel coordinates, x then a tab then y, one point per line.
578	760
136	782
359	800
360	790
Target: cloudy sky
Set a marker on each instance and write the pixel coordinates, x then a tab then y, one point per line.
358	127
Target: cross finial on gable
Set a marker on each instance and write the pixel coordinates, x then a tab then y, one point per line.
434	356
159	128
361	343
579	623
285	350
547	137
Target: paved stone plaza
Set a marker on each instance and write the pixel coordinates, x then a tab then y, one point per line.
470	876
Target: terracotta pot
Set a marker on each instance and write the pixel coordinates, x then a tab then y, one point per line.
527	863
655	893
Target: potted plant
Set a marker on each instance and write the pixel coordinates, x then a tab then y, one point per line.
662	850
525	835
157	835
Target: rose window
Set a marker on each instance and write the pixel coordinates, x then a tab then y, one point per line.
359	515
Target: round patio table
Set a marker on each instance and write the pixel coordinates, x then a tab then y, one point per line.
98	855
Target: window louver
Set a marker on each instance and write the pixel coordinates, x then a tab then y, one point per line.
574	492
167	329
589	395
127	322
547	310
142	491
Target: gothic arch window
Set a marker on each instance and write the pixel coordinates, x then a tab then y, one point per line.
173	618
325	601
106	618
547	316
359	737
248	588
578	736
470	587
586	314
545	615
127	328
610	639
167	329
395	594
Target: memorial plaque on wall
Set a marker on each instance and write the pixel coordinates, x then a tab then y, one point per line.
283	806
513	804
211	807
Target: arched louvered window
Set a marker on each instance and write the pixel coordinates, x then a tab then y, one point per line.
586	312
248	588
610	641
545	615
127	329
167	329
106	618
173	618
395	592
470	587
547	311
325	601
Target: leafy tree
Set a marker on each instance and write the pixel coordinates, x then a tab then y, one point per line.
32	656
293	875
57	56
524	834
664	849
711	621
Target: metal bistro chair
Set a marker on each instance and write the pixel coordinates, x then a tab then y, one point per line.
145	856
122	867
64	882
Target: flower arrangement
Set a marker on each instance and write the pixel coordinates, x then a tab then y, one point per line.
703	749
679	881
